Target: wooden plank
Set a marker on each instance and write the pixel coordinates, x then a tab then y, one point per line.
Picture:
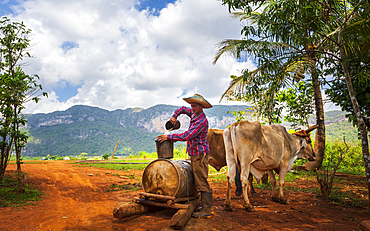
157	196
159	204
179	219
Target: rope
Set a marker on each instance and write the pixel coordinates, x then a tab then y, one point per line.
218	173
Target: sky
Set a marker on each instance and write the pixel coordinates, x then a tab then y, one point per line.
118	54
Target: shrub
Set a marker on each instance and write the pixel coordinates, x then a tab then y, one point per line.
56	157
105	156
352	162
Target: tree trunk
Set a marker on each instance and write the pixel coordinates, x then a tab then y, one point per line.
18	148
360	121
319	147
356	108
21	179
5	150
3	162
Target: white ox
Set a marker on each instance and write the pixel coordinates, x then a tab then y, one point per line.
257	149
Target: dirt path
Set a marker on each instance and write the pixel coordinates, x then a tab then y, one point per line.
76	200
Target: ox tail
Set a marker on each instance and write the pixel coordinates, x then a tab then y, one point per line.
230	154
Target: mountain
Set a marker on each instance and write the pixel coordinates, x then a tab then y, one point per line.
92	130
337	127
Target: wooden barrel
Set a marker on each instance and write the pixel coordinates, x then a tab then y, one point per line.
170	178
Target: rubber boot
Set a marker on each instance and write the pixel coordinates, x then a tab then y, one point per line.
207	206
199	208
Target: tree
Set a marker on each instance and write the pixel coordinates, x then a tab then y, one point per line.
298	102
282	59
352	30
16	88
334	29
265	105
338	92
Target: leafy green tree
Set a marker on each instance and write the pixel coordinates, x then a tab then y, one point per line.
330	29
298	102
282	59
338	93
16	88
265	106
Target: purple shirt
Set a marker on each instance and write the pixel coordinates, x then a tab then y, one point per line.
196	135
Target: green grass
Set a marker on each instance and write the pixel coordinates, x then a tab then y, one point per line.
124	187
10	196
120	167
217	177
346	198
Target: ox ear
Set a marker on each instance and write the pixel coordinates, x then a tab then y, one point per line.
303	143
310	129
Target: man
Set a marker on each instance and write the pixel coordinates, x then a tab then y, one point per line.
197	148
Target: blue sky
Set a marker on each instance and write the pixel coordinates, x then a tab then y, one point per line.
154	6
116	54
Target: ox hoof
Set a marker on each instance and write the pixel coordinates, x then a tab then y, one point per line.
279	200
228	207
283	201
249	208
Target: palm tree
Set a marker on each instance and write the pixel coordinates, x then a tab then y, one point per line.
280	65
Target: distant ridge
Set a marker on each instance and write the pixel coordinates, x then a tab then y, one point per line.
95	131
92	130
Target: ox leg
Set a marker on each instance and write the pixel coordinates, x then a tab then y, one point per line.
282	200
273	185
228	196
244	179
250	185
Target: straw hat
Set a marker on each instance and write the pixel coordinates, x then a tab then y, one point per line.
198	99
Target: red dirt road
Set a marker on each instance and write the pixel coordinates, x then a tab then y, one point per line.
76	200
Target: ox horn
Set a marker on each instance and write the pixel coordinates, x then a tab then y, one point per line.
310	129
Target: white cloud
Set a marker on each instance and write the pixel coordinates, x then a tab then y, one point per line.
123	57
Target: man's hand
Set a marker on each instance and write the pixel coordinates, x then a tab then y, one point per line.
173	120
162	138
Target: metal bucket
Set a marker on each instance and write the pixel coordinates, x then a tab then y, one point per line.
169	126
165	149
170	178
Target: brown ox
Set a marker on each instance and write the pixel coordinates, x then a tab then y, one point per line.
257	149
217	158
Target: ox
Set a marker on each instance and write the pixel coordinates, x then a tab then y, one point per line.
217	157
257	149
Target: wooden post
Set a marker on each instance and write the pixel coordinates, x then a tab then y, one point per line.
129	209
115	149
179	220
159	204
